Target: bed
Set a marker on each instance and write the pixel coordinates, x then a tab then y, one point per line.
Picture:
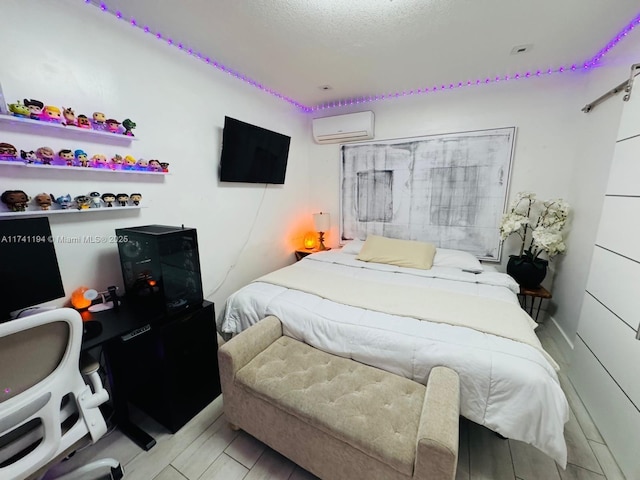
407	321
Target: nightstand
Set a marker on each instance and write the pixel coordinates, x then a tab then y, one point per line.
303	252
532	293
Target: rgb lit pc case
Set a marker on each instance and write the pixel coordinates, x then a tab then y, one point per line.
160	267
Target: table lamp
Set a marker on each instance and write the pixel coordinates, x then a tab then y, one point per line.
322	223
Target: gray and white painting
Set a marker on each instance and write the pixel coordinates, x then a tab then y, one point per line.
446	189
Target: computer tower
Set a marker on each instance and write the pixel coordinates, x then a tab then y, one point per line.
160	267
170	370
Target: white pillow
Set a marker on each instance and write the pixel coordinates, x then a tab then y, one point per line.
444	257
353	247
457	259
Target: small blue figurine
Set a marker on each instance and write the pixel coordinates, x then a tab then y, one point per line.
81	158
64	201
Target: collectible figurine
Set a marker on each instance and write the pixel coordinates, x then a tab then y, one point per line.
64	201
122	199
129	163
98	120
69	117
52	114
82	160
28	157
108	199
46	155
113	125
35	108
66	156
19	109
99	160
136	198
8	152
154	166
44	200
83	202
128	125
16	200
83	122
95	200
165	167
142	164
116	162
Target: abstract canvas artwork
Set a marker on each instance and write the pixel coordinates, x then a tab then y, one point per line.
447	189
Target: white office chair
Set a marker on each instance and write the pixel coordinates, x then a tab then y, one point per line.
47	411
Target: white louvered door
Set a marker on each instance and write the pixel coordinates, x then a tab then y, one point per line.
606	365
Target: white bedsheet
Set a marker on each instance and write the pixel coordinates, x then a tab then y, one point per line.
505	385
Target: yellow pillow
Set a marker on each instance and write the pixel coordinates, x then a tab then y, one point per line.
403	253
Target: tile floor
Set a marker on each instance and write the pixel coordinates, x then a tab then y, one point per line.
207	449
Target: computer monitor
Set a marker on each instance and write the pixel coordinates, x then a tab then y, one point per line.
29	273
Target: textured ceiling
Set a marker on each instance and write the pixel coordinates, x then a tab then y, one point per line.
373	47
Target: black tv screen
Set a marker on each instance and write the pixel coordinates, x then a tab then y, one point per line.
252	154
29	273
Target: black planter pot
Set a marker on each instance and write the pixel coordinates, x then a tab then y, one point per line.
528	274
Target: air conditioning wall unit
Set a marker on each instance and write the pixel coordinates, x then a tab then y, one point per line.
343	128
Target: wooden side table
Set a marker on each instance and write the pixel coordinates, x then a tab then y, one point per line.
525	294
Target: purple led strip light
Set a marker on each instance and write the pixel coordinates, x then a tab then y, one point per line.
199	56
376	98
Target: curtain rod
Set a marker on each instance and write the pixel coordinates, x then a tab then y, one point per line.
627	85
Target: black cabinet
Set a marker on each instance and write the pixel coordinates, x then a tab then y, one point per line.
169	368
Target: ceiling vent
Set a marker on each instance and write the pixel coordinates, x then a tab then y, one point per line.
343	128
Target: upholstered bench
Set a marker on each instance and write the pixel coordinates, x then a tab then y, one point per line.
337	418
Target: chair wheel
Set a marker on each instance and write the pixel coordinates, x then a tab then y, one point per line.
117	473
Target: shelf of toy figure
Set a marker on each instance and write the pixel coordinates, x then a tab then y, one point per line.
52	211
41	124
20	163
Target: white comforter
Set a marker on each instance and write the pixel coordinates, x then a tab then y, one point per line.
505	385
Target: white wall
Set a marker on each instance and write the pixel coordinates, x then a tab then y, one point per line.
560	152
69	54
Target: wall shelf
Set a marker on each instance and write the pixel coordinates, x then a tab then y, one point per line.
39	166
52	211
41	127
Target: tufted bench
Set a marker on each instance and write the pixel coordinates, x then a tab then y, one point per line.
335	417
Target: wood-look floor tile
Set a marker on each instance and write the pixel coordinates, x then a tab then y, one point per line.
582	415
301	474
578	449
169	473
607	462
271	466
245	449
530	463
224	468
194	461
490	456
147	465
574	472
462	472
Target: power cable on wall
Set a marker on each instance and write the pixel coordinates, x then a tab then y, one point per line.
246	241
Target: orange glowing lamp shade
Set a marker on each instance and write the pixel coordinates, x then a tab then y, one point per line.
310	240
78	298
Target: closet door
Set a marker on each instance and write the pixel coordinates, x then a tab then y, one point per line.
606	358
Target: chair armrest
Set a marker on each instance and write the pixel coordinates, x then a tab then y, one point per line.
243	348
438	431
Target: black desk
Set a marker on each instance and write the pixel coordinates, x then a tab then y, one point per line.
119	326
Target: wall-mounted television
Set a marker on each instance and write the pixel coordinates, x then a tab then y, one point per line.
252	154
29	273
